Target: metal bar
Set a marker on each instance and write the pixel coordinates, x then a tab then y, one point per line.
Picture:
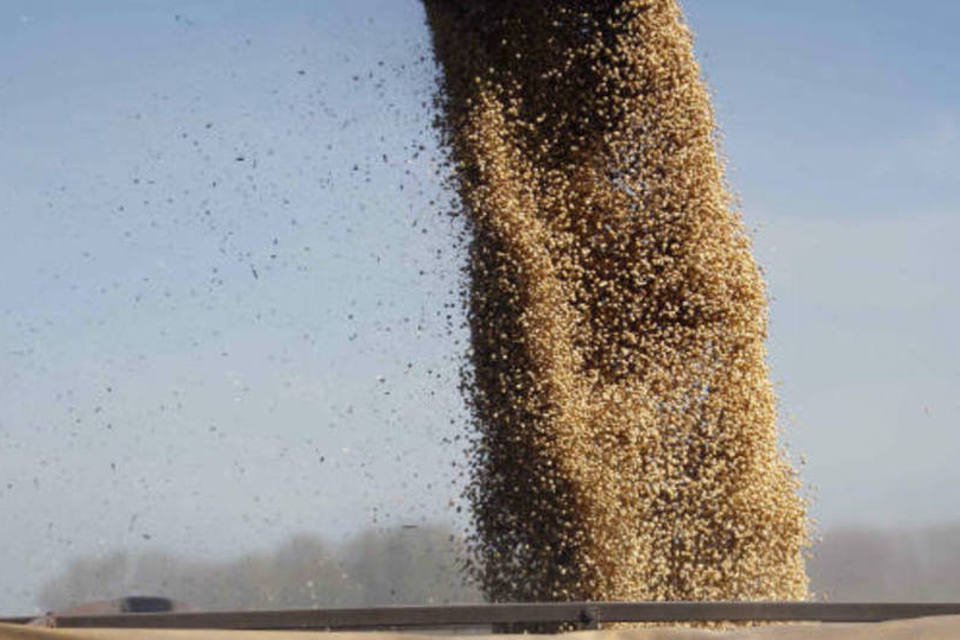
589	613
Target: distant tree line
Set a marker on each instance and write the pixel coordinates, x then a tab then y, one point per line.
395	566
917	564
422	565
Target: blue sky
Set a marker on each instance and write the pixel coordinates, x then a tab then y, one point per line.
226	274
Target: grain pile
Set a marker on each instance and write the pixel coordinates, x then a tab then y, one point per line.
627	440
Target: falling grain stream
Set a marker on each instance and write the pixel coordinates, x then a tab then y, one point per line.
626	437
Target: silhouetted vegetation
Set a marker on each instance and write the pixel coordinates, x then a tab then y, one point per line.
396	566
421	565
904	564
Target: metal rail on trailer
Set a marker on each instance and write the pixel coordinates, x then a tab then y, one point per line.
584	615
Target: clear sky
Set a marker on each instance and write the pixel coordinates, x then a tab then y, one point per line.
225	275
